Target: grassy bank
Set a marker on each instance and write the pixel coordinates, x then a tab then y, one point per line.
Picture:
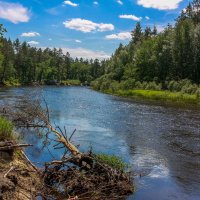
177	97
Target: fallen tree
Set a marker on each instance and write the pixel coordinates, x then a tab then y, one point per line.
76	174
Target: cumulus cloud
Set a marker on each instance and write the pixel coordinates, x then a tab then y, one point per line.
119	36
78	41
30	34
70	3
160	4
132	17
14	12
120	2
95	3
87	26
33	42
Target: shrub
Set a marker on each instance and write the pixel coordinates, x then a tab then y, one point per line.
184	86
11	82
105	85
6	129
115	86
71	82
128	84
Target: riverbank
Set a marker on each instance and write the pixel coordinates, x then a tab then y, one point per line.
18	179
15	83
176	97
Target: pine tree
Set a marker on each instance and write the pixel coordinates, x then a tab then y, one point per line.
137	34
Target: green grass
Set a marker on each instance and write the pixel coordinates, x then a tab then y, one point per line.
6	129
113	161
71	82
159	95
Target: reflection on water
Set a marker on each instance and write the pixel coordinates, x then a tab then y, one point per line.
161	143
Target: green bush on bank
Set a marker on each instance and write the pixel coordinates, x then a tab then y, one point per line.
71	82
178	91
6	129
11	82
183	86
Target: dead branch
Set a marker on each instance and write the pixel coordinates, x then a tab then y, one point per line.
28	161
12	147
11	169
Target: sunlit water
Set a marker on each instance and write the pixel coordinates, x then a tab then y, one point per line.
162	144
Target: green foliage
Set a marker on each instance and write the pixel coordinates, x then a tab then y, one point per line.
184	86
113	161
6	129
19	61
71	82
160	95
152	61
11	82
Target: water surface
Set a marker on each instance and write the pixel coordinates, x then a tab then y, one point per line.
162	144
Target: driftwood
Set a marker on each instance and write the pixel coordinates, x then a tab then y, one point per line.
13	146
11	169
98	181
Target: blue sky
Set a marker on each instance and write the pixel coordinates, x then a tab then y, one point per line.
85	28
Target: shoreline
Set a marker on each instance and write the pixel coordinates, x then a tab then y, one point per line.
157	96
164	97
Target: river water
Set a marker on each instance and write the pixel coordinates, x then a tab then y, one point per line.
161	143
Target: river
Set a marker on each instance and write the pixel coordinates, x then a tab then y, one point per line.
161	143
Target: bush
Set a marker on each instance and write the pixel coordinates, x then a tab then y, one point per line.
128	84
6	129
114	86
71	82
184	86
113	161
11	82
153	86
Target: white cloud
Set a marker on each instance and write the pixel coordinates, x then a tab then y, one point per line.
33	42
119	36
78	41
85	53
50	39
105	27
14	12
160	4
147	18
30	34
95	3
70	3
132	17
87	26
120	2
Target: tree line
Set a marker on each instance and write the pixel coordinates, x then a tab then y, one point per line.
23	64
151	60
158	60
